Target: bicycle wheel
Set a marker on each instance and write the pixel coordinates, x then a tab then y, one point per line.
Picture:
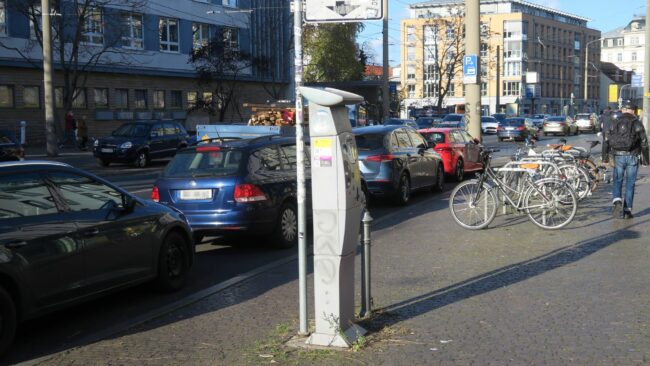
470	210
578	179
592	171
550	203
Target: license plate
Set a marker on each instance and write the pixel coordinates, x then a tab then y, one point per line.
107	150
509	128
196	194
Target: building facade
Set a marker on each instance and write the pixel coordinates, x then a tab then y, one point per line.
518	39
625	48
133	59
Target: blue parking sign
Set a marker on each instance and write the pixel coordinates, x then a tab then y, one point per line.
470	69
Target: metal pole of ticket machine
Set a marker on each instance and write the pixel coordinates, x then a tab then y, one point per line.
646	73
300	166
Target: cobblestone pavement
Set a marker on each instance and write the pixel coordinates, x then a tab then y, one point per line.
509	295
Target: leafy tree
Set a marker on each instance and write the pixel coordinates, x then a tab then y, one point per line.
219	65
331	53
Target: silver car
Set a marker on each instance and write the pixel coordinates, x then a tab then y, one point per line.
587	122
560	125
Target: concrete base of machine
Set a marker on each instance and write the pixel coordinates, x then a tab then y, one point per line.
340	340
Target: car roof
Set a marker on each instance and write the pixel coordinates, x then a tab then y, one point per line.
252	143
439	129
376	129
33	163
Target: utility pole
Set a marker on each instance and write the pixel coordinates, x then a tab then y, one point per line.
51	140
473	47
385	97
646	72
300	167
498	101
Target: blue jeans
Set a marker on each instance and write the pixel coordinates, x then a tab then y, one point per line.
625	168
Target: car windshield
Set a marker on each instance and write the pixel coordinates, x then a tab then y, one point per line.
204	162
132	130
370	141
488	119
434	137
561	119
582	116
512	122
499	116
538	116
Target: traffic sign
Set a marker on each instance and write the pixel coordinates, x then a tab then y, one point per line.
323	11
470	69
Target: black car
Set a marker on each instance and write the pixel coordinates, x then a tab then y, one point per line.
139	142
10	148
245	186
67	236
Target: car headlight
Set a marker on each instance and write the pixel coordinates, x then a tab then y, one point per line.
96	143
126	145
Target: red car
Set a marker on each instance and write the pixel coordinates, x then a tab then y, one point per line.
458	149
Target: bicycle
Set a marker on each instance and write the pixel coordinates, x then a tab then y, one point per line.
550	203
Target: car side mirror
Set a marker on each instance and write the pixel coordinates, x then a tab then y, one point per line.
477	141
128	203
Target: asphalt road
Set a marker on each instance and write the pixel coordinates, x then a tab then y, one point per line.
217	261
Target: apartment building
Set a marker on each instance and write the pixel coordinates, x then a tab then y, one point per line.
141	51
518	38
625	48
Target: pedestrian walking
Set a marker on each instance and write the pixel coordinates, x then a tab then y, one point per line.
82	133
70	130
626	140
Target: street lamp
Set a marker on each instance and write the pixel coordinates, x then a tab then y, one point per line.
585	97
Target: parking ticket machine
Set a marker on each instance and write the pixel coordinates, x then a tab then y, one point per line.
337	201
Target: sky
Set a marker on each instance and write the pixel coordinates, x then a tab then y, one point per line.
605	15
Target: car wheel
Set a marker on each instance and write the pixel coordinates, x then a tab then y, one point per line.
459	172
142	160
103	162
286	230
7	321
173	263
403	194
501	139
566	133
440	179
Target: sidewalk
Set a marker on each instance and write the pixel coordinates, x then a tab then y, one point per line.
511	294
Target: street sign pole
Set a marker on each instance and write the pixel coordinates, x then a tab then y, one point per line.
300	166
472	49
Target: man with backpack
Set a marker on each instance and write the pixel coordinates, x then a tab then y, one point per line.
627	142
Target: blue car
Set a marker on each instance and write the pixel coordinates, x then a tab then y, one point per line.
245	186
395	160
516	128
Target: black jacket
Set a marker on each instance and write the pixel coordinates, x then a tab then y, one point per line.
640	146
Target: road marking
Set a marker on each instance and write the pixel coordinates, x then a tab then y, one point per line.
167	309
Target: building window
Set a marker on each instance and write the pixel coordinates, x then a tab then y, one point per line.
484	50
168	34
410	34
451	33
410	90
31	97
431	72
6	96
484	89
430	34
634	41
430	90
92	31
79	99
452	89
410	72
132	31
140	99
58	97
159	99
619	57
176	97
429	53
511	88
100	96
207	98
619	42
122	98
200	35
512	69
35	16
633	56
230	39
231	3
191	99
3	18
410	53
